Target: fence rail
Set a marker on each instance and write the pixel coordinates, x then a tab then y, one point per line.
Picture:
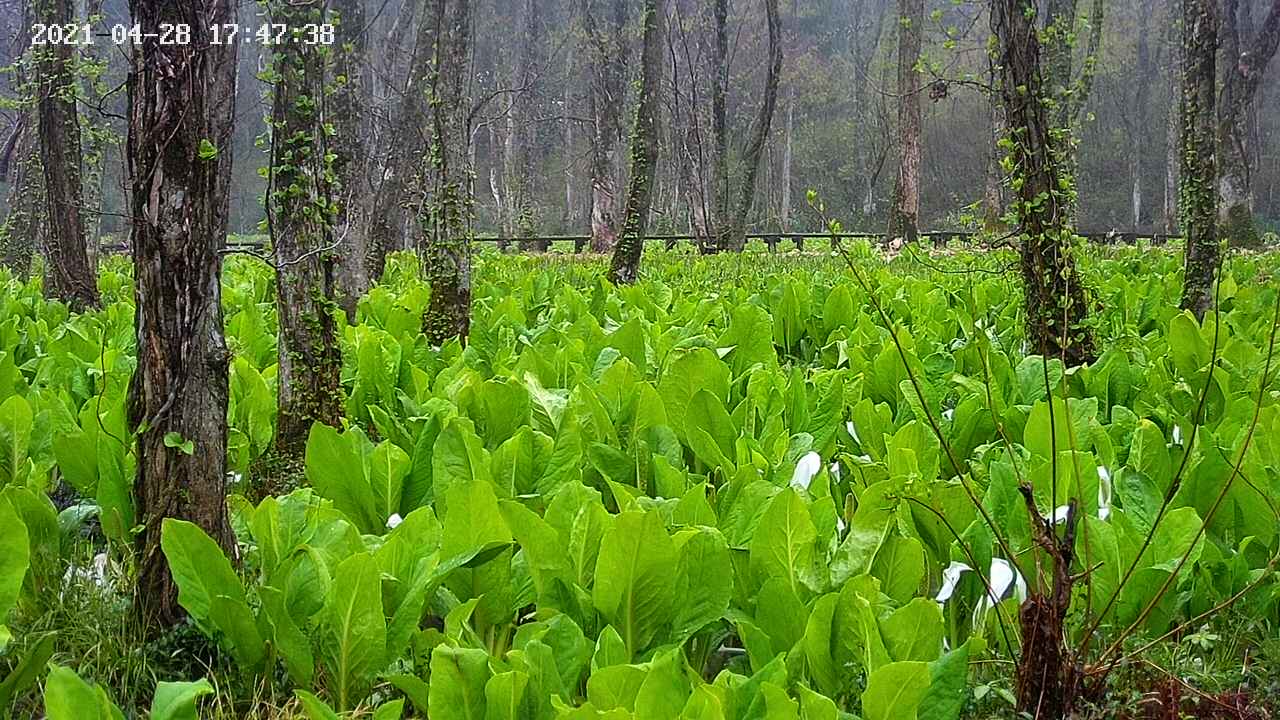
770	239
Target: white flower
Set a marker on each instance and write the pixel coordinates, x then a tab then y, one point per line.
394	521
948	414
834	469
1000	578
950	577
840	526
1104	493
853	431
809	466
1059	514
1177	434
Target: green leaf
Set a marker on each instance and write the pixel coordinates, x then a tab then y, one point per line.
634	586
316	708
894	691
68	697
15	555
914	631
27	671
207	150
783	543
177	700
459	677
175	440
504	694
357	630
15	437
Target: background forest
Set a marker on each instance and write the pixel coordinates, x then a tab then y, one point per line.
543	73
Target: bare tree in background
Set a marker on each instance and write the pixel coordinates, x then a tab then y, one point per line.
182	99
444	211
1199	200
604	25
1242	76
733	234
302	213
904	216
625	267
525	135
349	116
69	275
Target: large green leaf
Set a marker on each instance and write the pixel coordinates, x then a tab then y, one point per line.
177	700
634	584
356	629
783	543
67	697
15	555
458	680
894	691
15	437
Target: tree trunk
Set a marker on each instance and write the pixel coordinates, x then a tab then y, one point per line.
20	165
97	137
1242	76
1173	127
1198	199
625	267
904	216
401	139
179	100
719	123
1055	300
69	276
1140	129
350	99
301	223
734	235
528	135
784	208
606	99
993	190
444	214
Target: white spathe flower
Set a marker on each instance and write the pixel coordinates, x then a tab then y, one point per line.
1000	578
1104	493
1060	514
96	573
853	431
1177	434
840	526
834	469
950	578
948	414
809	466
394	521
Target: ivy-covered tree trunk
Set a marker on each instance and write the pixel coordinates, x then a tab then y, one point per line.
20	166
904	216
69	276
606	40
1198	199
444	214
719	123
734	232
625	266
1055	299
1242	76
301	224
98	136
348	106
179	105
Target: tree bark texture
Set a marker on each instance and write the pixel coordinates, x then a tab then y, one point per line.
904	216
69	276
178	98
719	121
301	222
1055	299
1242	76
20	164
401	137
349	115
1198	201
605	38
444	215
527	134
734	235
625	266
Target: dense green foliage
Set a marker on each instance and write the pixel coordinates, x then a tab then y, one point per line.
718	493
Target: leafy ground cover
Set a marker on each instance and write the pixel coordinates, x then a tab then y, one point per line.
738	489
